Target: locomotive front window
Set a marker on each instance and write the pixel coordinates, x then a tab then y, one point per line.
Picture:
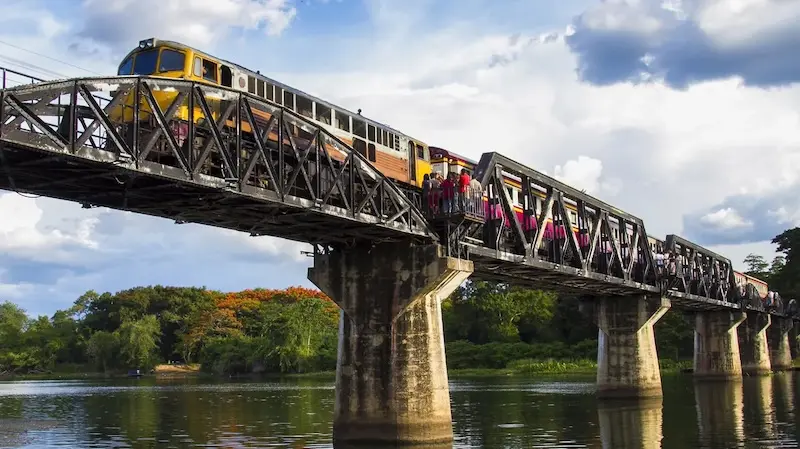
171	61
126	67
145	63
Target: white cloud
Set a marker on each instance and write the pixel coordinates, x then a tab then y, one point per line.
584	173
724	219
22	233
197	22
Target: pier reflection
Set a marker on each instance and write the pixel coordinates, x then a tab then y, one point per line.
631	424
759	408
720	413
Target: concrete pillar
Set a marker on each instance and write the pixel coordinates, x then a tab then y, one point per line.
631	424
753	344
779	351
391	376
716	345
627	361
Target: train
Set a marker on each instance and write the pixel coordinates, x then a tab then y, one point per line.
400	157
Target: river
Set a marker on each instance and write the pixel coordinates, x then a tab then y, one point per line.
504	412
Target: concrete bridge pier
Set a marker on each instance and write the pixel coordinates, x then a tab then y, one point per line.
391	377
753	344
627	361
779	349
716	345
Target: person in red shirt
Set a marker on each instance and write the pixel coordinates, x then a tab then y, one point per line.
463	185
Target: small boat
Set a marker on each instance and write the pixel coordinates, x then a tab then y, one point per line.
135	373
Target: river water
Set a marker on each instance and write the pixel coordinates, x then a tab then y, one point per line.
504	412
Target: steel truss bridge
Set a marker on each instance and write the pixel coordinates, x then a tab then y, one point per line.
259	168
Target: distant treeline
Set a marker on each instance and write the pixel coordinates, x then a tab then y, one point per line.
486	325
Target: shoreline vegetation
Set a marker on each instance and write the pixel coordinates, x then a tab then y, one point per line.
490	329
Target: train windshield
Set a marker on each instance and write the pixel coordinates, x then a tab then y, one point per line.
171	61
126	67
145	62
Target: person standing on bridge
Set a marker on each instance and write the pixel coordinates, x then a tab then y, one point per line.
448	192
463	186
426	193
476	194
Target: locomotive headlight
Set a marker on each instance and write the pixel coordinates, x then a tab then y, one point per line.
146	43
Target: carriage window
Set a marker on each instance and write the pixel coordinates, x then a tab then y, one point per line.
360	147
420	152
145	63
227	76
371	130
260	89
342	121
359	128
391	140
371	152
171	60
288	100
251	84
278	95
323	114
270	92
209	71
126	67
305	106
383	138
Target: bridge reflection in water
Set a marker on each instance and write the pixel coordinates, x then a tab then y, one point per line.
631	424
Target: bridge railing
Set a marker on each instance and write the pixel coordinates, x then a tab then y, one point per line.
698	271
11	78
210	135
552	223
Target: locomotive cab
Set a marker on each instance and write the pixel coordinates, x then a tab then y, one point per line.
154	58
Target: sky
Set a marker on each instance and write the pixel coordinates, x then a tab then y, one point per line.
684	113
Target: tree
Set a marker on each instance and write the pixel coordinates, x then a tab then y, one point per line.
787	280
777	265
101	348
139	341
756	265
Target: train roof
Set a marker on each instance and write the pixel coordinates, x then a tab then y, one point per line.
443	152
314	98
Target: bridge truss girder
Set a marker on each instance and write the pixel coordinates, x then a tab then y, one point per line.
144	144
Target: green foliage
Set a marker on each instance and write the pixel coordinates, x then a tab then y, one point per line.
786	279
486	325
464	354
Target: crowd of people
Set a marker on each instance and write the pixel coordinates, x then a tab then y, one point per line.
676	267
456	193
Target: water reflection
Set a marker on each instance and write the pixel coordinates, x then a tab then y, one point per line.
720	413
759	411
492	413
631	425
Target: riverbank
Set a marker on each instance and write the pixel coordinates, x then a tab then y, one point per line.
521	368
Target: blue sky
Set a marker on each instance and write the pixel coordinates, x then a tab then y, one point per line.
684	113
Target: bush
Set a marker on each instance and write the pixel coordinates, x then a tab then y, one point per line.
463	354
